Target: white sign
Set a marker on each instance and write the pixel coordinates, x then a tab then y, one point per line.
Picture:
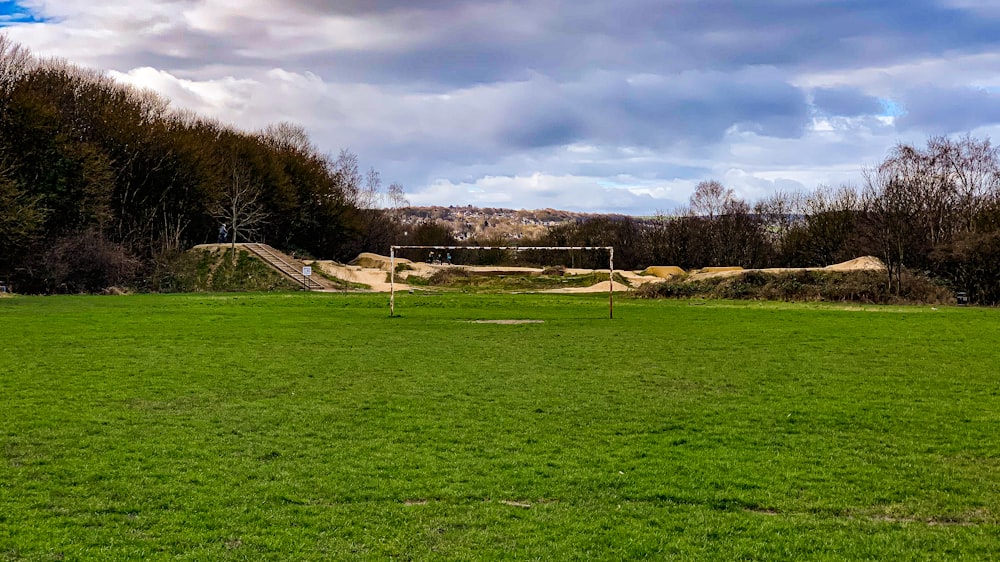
307	270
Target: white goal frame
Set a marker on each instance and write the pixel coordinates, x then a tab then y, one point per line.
611	265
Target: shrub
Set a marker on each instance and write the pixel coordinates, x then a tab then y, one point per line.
449	276
832	286
87	262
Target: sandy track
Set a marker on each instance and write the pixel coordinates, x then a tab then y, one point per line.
373	269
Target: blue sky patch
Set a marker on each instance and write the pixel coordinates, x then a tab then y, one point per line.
891	108
11	13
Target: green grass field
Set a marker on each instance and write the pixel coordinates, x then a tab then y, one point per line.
314	427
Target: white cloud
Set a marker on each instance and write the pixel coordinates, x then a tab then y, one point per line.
588	106
538	191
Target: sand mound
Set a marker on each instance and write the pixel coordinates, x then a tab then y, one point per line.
368	260
864	263
601	287
375	279
716	272
663	271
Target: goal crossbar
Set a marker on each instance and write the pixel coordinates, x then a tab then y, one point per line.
611	265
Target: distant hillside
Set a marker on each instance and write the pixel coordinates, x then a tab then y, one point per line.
487	222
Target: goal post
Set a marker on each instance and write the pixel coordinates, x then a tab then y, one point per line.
515	249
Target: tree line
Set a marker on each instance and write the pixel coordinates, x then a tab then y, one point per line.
102	183
931	211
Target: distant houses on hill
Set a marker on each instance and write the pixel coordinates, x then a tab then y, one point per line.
467	222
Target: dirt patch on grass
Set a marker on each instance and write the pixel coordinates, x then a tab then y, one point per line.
512	503
506	321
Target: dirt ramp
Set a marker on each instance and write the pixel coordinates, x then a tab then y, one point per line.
715	272
663	271
369	260
864	263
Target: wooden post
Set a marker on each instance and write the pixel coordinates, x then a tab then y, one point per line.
611	284
392	281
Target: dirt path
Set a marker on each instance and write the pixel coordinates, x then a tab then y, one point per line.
373	270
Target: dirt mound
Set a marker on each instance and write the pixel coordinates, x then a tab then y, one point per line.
663	271
369	260
373	278
864	263
716	272
601	287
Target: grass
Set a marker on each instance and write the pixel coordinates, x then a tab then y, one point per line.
314	427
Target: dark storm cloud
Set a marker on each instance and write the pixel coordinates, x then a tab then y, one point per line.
704	105
949	110
654	111
847	102
482	42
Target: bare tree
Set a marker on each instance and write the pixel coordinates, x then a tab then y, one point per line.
348	174
15	61
892	209
288	136
779	213
371	193
241	206
709	199
972	167
397	198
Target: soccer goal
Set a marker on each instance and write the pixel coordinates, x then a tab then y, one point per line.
515	249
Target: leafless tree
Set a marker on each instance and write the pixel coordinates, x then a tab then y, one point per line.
892	209
15	61
709	199
288	136
779	212
397	198
348	174
241	206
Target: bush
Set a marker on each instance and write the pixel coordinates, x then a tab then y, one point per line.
449	276
87	262
831	286
177	272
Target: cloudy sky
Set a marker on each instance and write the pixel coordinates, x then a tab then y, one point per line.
604	106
